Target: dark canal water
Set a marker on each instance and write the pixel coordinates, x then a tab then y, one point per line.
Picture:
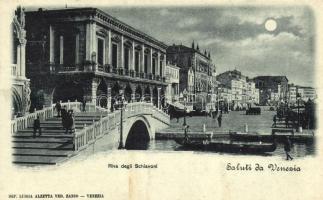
298	150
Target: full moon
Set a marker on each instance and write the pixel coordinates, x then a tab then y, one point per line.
270	25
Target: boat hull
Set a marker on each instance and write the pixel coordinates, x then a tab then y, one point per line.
231	147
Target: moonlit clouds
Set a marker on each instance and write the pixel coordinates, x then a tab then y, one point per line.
236	36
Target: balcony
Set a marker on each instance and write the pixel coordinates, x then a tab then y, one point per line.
108	69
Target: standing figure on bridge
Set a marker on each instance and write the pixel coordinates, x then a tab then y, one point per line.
83	105
69	122
72	122
64	116
287	147
275	120
220	119
58	108
37	127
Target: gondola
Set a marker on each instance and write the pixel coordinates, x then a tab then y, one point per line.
227	146
250	137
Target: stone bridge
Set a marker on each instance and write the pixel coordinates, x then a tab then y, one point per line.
140	121
130	128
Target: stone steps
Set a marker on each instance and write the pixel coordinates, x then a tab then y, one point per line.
52	146
41	152
35	145
37	160
41	140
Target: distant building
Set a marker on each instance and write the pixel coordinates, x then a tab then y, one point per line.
242	89
252	92
292	91
191	58
20	84
306	93
224	96
272	89
172	78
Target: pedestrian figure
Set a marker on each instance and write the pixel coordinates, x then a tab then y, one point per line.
72	122
186	130
83	105
275	120
58	108
64	117
286	121
37	127
220	119
287	146
69	122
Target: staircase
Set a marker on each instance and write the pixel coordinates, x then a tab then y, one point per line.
53	146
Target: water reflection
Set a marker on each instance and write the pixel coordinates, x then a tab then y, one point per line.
297	150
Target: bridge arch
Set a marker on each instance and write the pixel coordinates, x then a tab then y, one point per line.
138	134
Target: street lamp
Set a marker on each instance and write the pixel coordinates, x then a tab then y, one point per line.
298	96
121	105
184	123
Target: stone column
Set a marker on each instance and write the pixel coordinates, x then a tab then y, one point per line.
51	44
18	69
61	50
163	66
142	61
109	54
90	40
150	66
159	99
23	58
158	64
94	86
77	47
132	66
109	97
133	96
94	42
122	53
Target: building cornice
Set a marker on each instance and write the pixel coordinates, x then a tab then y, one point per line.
99	16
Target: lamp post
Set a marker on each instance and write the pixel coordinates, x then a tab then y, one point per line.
298	96
121	105
184	123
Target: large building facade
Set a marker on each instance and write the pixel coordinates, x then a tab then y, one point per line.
272	89
86	54
172	79
20	84
190	59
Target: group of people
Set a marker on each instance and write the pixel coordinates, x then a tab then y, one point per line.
68	118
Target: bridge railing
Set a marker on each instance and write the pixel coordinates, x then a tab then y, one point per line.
26	121
144	108
90	133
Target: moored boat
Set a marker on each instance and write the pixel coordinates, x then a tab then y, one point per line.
227	146
250	137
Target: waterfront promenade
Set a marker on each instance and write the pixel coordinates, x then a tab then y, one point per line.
234	121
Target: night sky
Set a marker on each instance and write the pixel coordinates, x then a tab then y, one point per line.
236	36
